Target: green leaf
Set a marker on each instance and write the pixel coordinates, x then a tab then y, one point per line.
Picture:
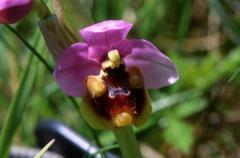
147	17
185	22
190	107
20	101
17	108
87	3
179	134
100	10
163	103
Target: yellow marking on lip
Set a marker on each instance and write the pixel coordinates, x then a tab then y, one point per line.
114	60
123	119
95	86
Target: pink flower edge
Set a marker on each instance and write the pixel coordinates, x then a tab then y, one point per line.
83	59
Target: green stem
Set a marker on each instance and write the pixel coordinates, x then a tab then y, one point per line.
104	149
33	50
42	9
127	142
92	132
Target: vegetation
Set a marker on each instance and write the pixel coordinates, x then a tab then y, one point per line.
196	117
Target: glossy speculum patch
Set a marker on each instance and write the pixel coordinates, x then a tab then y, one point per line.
124	94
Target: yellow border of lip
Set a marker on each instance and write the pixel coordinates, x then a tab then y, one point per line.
123	119
95	86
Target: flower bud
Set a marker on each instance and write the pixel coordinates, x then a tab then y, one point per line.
12	11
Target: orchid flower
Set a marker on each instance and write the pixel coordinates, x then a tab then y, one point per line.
113	73
12	11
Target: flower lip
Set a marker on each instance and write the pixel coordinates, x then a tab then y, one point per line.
121	103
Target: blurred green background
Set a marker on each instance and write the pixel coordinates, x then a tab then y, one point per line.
198	117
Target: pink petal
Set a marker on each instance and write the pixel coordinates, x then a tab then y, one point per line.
99	53
158	69
12	11
124	47
105	33
72	69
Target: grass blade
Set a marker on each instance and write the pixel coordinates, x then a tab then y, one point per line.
44	149
226	20
17	108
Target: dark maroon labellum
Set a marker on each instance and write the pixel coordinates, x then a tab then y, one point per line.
124	94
